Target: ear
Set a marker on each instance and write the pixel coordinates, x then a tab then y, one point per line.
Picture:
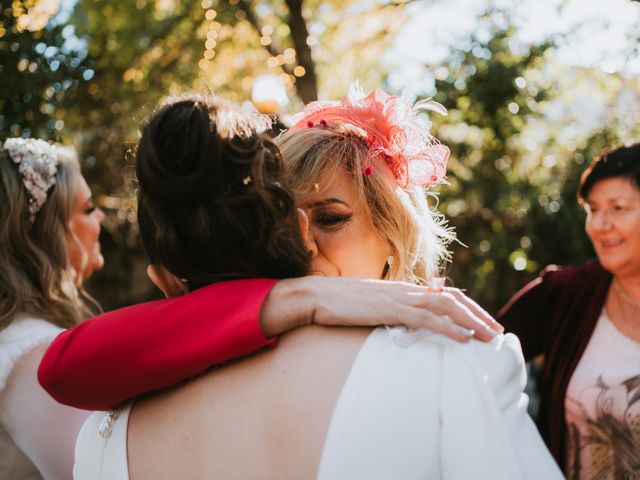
303	222
305	233
168	283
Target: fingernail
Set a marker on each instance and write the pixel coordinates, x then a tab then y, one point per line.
491	332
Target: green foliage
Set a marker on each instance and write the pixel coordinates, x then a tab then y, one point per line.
512	178
39	68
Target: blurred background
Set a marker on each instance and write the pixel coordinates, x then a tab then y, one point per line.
534	89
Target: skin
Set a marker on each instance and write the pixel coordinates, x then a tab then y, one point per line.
83	246
612	224
342	240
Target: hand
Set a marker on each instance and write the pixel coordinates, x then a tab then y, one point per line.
341	301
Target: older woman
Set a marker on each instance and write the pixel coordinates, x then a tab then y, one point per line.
586	322
336	403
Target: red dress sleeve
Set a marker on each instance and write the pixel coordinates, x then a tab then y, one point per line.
118	355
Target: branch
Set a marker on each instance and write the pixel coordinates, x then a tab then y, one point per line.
273	48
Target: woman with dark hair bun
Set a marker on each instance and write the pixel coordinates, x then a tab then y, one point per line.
585	320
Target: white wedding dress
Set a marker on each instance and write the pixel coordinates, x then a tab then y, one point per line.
414	406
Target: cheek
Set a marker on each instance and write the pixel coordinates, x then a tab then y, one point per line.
588	228
73	252
352	253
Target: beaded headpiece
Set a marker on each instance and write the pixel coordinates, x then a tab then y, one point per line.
390	126
37	162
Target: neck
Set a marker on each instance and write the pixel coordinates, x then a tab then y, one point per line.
628	289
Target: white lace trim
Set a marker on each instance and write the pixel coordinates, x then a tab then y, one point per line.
19	338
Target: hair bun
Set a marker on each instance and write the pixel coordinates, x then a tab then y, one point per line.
182	157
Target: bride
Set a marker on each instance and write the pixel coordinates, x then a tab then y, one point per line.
347	403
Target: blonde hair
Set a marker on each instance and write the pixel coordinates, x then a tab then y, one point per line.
35	275
417	235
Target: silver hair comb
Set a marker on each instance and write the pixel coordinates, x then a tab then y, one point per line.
37	162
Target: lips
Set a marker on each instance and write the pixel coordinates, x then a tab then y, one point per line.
611	243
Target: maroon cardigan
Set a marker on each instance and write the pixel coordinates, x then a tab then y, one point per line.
555	315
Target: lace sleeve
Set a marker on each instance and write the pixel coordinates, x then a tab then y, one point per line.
19	338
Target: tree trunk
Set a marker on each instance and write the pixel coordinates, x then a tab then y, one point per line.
307	85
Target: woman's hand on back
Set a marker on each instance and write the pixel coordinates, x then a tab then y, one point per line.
341	301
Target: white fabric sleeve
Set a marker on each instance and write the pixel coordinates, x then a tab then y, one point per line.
42	429
484	413
434	408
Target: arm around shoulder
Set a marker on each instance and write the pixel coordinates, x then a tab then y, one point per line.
133	350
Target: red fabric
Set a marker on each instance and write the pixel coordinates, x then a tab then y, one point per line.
118	355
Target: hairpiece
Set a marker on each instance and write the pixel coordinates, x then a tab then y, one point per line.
390	126
37	162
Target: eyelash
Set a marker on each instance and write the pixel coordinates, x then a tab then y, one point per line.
90	210
331	220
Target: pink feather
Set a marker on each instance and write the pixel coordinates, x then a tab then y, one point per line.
390	126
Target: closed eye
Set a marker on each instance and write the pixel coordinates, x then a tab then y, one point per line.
331	220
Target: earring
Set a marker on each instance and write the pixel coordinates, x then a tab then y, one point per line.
387	267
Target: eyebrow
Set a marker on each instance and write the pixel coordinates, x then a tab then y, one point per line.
326	201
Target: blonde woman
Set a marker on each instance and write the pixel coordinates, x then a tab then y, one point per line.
331	403
49	229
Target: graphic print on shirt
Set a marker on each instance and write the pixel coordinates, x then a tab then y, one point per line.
604	432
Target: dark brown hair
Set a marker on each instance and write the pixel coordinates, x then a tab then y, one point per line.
212	203
620	161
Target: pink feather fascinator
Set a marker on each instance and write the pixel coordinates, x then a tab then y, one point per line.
390	126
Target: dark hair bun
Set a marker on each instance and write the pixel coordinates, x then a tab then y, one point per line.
211	202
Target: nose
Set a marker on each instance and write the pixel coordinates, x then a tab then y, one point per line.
600	220
100	214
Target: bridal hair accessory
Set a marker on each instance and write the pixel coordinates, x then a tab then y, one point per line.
390	126
37	162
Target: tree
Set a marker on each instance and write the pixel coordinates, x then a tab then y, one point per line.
514	169
39	66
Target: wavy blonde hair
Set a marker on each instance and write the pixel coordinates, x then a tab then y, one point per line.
417	234
35	275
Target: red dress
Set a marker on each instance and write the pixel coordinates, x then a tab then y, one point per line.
120	354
